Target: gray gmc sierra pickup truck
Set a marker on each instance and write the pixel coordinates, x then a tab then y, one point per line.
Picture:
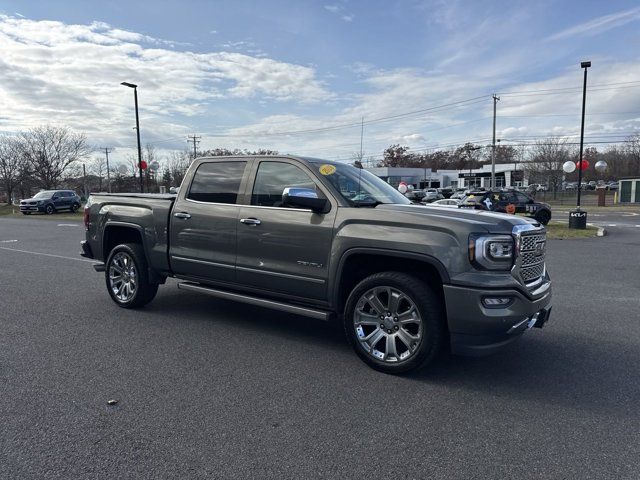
323	239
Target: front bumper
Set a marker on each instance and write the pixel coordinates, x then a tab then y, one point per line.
31	208
476	329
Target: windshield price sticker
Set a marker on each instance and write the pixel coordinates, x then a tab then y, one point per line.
327	169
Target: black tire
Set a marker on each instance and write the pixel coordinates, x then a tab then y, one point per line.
49	209
429	306
543	216
145	291
74	208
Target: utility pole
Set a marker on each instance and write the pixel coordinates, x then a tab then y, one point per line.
195	140
361	138
493	145
107	150
84	179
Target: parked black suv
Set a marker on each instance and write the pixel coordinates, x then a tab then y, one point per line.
50	201
508	201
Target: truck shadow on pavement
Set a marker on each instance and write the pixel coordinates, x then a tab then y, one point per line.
575	371
572	371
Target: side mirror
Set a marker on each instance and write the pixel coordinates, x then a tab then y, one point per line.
305	198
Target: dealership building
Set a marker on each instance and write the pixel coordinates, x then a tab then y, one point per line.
507	175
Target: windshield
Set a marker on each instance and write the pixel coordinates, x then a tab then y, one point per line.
43	195
359	187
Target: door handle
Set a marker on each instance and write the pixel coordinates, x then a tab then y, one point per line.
182	215
250	221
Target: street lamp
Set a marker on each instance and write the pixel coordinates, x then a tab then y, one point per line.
578	219
135	98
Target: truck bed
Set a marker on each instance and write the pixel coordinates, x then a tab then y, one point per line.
148	213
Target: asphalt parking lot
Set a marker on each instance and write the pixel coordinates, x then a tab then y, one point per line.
207	388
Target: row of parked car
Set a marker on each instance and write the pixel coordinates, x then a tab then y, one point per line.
510	200
592	185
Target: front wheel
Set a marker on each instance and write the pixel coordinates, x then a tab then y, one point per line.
395	322
49	209
127	276
75	207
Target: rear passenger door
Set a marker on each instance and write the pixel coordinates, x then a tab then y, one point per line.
59	201
204	222
280	249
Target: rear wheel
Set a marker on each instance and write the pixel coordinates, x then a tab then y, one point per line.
395	322
543	216
127	276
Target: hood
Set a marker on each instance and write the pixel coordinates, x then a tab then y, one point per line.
491	221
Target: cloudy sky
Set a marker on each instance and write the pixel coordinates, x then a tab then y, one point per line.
300	76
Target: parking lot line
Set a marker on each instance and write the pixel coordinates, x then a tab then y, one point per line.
47	255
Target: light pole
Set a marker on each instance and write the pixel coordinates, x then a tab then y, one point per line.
584	65
577	218
135	99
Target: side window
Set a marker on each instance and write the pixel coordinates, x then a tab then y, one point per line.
522	197
217	182
273	177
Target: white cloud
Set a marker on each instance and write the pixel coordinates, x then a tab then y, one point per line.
340	11
600	24
51	72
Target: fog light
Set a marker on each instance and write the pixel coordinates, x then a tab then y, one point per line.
497	302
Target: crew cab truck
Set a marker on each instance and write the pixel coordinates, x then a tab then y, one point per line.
328	240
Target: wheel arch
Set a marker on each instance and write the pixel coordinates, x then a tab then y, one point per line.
115	233
358	263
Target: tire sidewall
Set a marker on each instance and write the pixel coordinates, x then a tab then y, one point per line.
140	273
428	306
543	217
49	209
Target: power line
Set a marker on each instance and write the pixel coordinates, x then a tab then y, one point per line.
578	88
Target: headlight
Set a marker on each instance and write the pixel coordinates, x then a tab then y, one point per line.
491	252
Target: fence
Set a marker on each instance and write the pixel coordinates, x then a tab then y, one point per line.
570	197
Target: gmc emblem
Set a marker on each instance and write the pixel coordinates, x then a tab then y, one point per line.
540	246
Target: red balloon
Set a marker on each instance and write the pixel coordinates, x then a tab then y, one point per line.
582	164
143	165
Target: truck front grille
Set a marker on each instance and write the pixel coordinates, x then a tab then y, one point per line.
532	252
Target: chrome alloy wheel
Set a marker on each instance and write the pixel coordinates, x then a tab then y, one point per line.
388	324
123	278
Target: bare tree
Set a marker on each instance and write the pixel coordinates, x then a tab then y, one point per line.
50	150
177	164
632	149
11	162
98	167
545	163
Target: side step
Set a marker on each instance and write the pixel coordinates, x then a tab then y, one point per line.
260	302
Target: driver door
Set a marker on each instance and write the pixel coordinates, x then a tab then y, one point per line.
283	249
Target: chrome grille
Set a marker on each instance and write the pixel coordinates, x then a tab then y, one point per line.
528	242
532	253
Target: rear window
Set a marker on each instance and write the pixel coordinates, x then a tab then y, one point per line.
217	182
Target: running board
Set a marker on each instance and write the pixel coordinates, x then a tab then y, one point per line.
260	302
